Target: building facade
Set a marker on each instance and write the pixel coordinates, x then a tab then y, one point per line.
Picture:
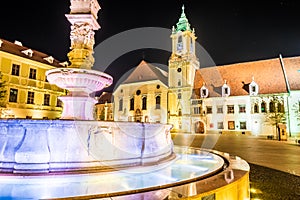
29	95
257	98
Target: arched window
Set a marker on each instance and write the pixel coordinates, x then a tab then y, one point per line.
255	108
157	101
144	103
120	104
263	107
131	104
272	106
280	107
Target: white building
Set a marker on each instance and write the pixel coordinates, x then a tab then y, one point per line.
232	99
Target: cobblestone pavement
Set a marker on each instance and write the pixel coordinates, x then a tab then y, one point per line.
274	165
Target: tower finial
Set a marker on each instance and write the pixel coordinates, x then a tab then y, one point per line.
183	8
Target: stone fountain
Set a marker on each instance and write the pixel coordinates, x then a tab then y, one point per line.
77	156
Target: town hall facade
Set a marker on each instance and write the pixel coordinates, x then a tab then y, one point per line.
257	98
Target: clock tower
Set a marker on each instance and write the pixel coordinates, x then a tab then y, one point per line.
183	64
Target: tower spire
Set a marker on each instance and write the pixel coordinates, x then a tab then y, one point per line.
183	23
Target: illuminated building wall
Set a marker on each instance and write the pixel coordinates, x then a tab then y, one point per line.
28	95
142	97
104	107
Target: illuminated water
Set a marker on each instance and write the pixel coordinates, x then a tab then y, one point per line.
189	165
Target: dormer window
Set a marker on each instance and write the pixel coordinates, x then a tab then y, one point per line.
225	90
50	59
64	64
253	88
203	91
28	52
18	43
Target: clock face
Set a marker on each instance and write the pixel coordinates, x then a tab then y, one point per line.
179	46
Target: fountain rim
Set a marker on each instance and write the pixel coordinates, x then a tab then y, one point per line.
68	71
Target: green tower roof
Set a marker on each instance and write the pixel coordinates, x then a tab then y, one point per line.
183	23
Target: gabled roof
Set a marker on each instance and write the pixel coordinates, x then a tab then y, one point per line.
147	72
19	50
105	97
268	74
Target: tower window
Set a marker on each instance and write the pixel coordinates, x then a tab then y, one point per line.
30	97
13	95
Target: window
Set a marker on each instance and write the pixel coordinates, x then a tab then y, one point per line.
120	104
280	107
225	90
157	101
231	125
46	99
30	98
242	108
220	125
15	70
179	112
13	95
131	107
203	92
255	108
32	73
230	109
58	103
144	103
219	109
272	106
208	109
179	96
263	107
243	125
179	83
196	110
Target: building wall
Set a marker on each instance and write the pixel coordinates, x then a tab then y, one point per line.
150	90
23	84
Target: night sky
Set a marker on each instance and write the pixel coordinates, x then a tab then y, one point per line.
230	31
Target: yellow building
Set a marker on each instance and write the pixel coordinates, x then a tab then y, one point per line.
28	95
104	107
142	97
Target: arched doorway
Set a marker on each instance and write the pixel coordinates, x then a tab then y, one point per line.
138	115
199	127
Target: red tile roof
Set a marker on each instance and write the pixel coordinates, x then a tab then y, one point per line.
16	49
268	74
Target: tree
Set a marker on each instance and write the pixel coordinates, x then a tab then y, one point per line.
276	114
2	92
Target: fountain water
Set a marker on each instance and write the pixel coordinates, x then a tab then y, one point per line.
79	157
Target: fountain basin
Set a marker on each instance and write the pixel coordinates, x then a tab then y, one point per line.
79	80
45	146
